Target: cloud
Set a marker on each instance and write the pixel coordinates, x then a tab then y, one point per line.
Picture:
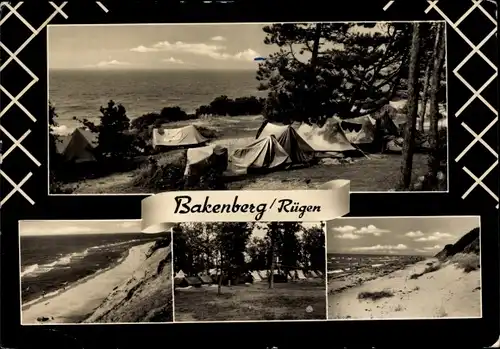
434	237
173	60
63	230
431	248
201	49
414	234
399	247
345	229
104	64
371	230
348	236
218	38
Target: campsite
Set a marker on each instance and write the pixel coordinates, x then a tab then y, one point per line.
249	272
387	133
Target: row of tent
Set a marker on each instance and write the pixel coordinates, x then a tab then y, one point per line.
183	280
275	145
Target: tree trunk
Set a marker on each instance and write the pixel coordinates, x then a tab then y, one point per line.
428	72
412	110
425	94
434	160
315	50
219	286
271	276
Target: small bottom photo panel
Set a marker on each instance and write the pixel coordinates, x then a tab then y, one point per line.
75	272
249	271
404	268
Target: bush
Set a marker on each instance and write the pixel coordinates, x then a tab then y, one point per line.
166	173
208	132
466	261
375	295
224	106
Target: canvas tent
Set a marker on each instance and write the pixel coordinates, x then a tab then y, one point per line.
180	274
296	147
177	137
199	159
206	279
262	274
301	275
256	276
186	281
361	130
313	274
329	138
77	147
264	153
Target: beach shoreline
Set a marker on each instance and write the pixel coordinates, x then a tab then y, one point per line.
74	303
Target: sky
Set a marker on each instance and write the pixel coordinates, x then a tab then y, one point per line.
402	236
39	228
186	46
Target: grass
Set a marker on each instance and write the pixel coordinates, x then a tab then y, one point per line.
374	296
428	269
379	173
287	301
466	261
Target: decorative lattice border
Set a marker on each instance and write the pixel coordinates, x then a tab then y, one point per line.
433	5
7	11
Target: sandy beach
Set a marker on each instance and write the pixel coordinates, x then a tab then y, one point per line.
78	301
446	292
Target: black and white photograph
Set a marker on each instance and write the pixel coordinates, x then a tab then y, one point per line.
249	271
141	109
94	272
404	268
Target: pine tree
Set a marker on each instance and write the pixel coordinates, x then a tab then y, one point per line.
324	69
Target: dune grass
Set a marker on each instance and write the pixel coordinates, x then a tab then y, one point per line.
376	295
466	261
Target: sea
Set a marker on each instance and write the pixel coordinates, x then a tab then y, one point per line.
339	265
51	263
81	93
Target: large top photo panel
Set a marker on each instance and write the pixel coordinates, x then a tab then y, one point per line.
146	108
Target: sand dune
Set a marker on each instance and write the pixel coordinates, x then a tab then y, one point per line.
447	292
144	297
77	302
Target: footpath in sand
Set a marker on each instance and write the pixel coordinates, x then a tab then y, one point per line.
447	292
81	299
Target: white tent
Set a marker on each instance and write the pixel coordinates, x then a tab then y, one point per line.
320	274
180	275
301	275
329	138
263	274
78	147
199	159
256	276
264	153
184	136
313	274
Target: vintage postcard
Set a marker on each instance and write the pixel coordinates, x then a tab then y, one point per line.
197	169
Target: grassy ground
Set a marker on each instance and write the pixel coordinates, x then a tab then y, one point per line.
287	301
379	173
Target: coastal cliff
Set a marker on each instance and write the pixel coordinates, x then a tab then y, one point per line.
469	243
146	296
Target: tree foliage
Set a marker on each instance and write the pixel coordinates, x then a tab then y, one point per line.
231	248
114	140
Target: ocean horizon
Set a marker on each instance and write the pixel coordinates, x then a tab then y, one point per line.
81	92
342	264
